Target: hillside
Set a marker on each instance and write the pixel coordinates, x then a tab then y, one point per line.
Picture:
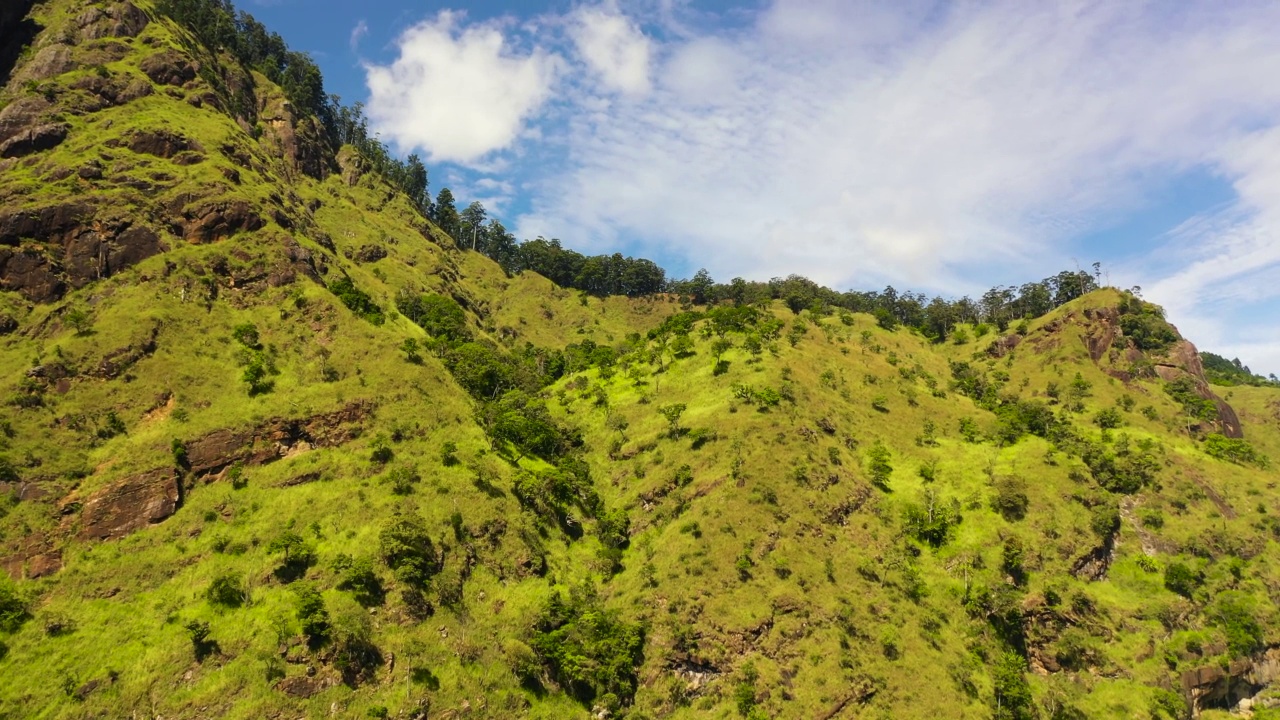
275	446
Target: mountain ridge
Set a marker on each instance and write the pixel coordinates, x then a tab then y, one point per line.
275	444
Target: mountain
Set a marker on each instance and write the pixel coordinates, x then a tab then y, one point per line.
274	445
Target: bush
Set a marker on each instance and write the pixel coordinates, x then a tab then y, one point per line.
357	301
1104	520
14	609
592	652
449	453
247	335
878	465
405	546
440	316
1012	693
931	521
402	478
1234	450
1108	418
226	590
1181	579
311	612
201	645
1233	613
1011	499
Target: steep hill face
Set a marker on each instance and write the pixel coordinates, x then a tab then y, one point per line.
275	446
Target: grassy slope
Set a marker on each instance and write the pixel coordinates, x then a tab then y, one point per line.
824	609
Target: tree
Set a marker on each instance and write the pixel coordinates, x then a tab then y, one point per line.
445	214
878	465
405	546
719	347
672	415
415	184
79	320
472	222
1012	693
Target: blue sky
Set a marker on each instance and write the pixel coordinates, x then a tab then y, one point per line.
942	147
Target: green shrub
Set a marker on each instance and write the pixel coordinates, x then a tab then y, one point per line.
879	466
932	520
357	301
1233	613
311	612
402	478
14	608
1011	499
590	651
226	590
1181	579
247	335
1013	698
1108	418
405	546
1234	450
449	453
442	317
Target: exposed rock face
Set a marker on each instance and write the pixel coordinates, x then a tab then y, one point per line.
104	92
370	253
130	505
117	20
215	221
50	61
169	68
274	439
1183	360
33	558
1213	687
31	273
22	114
33	140
76	248
1103	330
1004	345
300	141
162	143
119	360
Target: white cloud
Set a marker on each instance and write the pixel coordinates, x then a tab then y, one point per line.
357	34
459	93
615	50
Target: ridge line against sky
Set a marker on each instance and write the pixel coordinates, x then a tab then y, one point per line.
943	147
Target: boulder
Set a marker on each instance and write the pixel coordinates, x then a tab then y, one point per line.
162	143
120	19
217	220
50	61
33	140
130	504
169	68
30	272
21	114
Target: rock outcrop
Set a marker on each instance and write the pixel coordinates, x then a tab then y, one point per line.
33	140
1183	360
274	439
73	246
126	506
1215	687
